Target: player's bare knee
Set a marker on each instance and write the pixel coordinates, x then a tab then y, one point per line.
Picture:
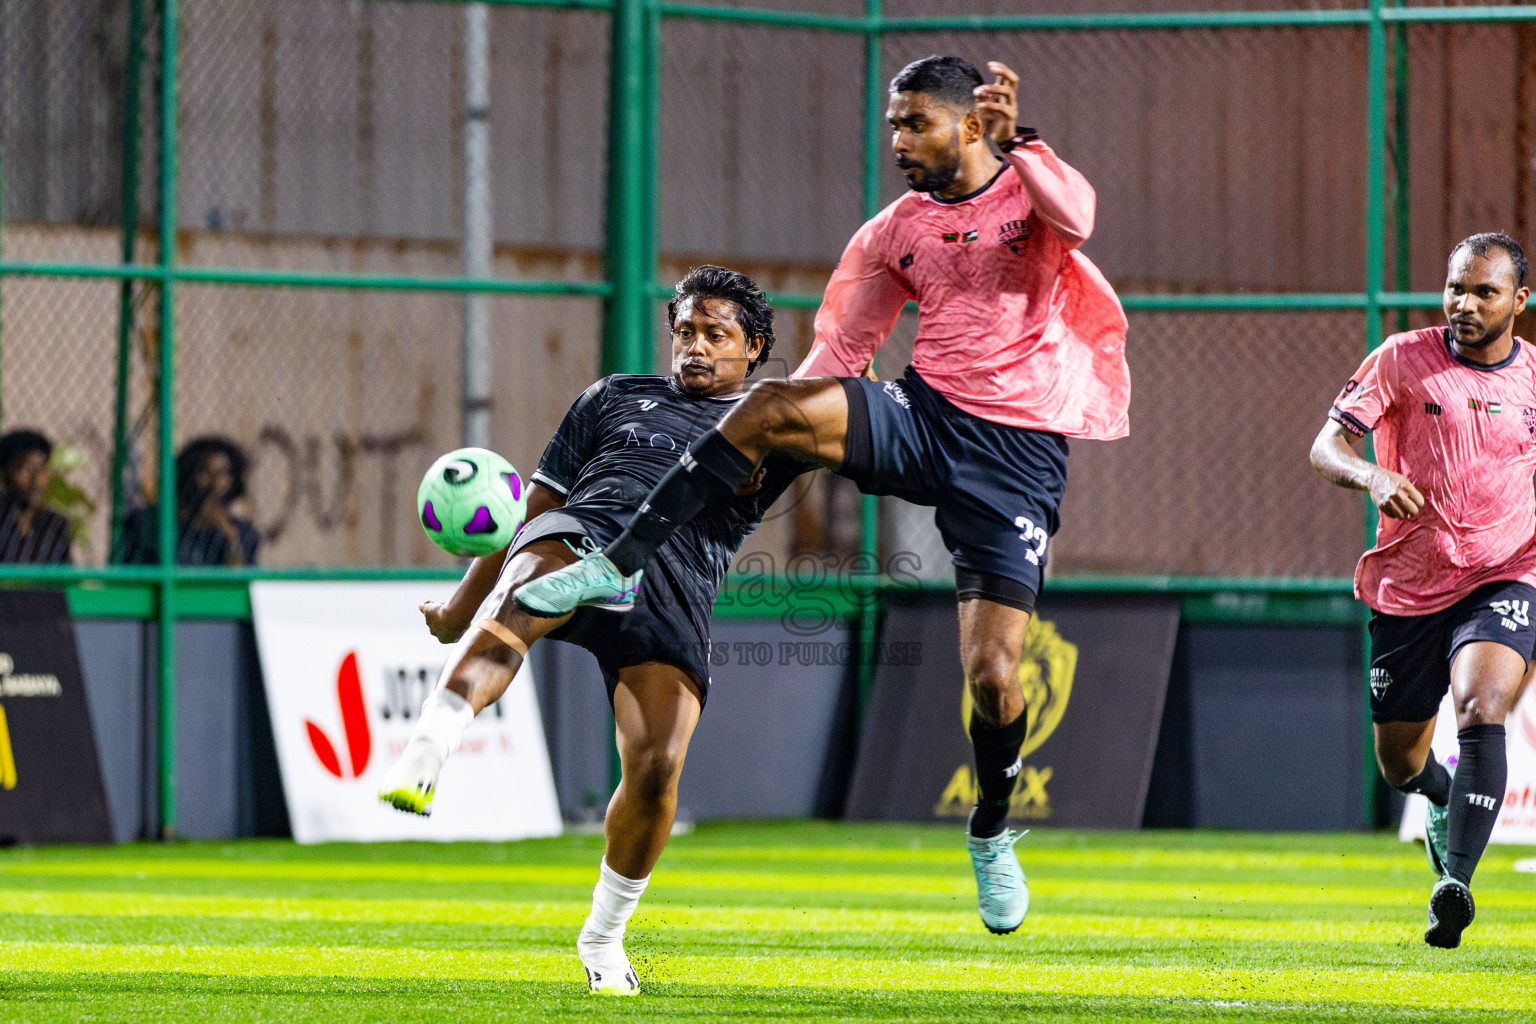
1397	766
651	774
1481	707
991	681
1396	771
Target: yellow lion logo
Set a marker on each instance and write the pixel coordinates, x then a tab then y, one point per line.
1046	669
1045	675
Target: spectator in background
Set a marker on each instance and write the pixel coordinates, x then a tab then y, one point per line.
210	478
29	532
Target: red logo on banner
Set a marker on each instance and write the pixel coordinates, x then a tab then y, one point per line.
354	720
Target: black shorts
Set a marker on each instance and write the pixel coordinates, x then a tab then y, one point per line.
1411	654
996	489
670	620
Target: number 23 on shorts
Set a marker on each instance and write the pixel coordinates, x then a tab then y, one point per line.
1032	534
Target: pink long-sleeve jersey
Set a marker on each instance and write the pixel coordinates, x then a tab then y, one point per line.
1014	324
1465	435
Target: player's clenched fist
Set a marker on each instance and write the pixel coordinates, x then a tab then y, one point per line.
1395	495
447	628
998	104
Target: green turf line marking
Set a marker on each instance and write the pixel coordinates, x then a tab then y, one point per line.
1425	989
1411	858
760	921
955	886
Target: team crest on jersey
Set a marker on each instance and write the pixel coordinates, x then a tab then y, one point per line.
1381	679
1528	417
1014	235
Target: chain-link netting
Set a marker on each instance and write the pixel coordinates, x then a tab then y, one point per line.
340	400
762	143
972	8
328	135
58	355
64	127
1471	141
332	120
1214	478
1223	160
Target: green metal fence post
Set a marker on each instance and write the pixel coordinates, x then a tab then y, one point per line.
631	189
2	281
132	125
167	498
869	505
1402	252
625	339
650	234
1375	231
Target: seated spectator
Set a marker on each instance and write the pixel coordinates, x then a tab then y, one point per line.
29	532
210	477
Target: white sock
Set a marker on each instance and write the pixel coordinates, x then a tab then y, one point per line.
444	718
614	899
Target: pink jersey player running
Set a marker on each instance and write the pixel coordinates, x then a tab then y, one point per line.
1021	345
1453	573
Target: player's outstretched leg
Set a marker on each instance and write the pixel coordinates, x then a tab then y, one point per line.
804	418
991	643
655	707
477	673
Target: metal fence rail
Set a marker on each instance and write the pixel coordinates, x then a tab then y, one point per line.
155	282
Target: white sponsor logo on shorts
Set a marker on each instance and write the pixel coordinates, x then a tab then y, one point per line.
1380	680
899	396
1520	611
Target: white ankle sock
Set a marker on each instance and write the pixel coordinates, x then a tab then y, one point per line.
614	899
444	718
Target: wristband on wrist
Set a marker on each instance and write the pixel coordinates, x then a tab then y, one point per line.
1021	136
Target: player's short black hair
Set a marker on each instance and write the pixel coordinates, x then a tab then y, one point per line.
191	457
19	443
753	312
951	80
1482	244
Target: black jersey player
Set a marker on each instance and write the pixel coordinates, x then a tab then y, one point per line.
616	442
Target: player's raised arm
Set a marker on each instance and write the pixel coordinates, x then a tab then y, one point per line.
1334	456
1057	191
861	305
1370	396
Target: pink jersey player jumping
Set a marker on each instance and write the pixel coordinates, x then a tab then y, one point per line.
1453	573
1021	345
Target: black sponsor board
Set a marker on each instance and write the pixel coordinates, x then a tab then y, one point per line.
50	776
1094	674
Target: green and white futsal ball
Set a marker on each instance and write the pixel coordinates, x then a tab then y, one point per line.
471	502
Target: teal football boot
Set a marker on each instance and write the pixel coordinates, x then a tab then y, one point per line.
593	582
1437	832
1450	911
1002	894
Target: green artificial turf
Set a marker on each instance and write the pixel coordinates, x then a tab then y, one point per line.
796	921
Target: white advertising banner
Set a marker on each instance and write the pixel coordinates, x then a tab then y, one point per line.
346	667
1517	818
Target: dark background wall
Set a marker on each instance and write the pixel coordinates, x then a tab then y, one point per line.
1263	729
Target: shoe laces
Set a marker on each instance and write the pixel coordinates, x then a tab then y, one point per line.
991	861
586	549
